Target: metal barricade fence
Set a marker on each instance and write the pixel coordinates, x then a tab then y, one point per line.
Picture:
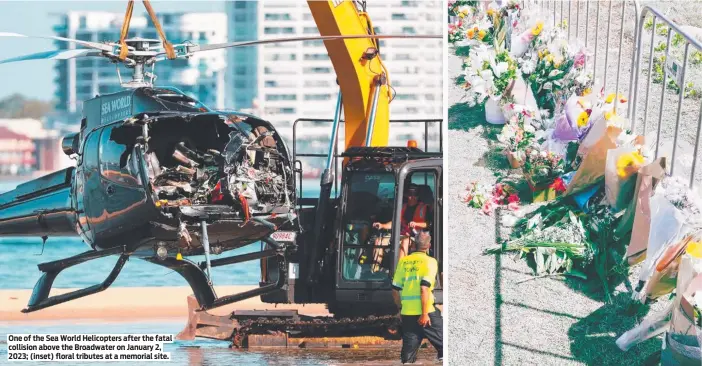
620	30
575	17
670	67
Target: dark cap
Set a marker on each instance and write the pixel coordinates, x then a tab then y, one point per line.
423	241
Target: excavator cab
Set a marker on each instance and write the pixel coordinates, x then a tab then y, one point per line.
374	190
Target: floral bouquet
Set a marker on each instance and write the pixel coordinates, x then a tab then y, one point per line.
485	198
547	67
518	134
557	245
462	8
528	39
542	170
455	32
489	75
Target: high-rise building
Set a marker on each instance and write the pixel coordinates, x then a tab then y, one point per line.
295	80
202	76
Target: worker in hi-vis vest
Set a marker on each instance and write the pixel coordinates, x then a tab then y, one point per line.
413	285
416	215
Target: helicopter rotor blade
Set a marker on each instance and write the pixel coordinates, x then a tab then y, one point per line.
54	55
209	47
94	45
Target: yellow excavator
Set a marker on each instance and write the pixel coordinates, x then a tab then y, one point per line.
338	258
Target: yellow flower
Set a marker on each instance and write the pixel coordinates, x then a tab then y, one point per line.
611	96
609	114
481	34
583	118
586	92
490	12
549	58
627	164
538	28
470	34
556	64
694	248
541	55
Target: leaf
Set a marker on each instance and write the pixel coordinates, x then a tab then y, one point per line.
555	263
539	259
576	273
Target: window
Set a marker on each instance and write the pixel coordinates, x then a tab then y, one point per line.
399	16
117	161
274	16
370	199
83	22
317	96
317	83
279	56
270	83
281	97
309	30
315	43
316	70
408	30
406	96
316	56
426	181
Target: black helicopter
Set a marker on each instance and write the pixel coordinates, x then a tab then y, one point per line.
159	176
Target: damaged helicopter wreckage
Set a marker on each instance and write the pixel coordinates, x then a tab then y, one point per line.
213	166
175	179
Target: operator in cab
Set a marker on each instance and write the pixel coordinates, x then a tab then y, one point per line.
416	216
413	286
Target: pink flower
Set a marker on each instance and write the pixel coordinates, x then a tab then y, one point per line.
579	59
487	208
513	206
498	190
513	198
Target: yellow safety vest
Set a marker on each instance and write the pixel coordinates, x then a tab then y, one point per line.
411	272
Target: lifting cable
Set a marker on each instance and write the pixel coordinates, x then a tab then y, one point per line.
167	46
371	31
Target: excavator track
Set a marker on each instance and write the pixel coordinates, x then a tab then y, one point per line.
311	327
288	329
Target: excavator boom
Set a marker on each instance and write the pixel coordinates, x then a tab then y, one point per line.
359	68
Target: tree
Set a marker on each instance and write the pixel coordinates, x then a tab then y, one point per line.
19	106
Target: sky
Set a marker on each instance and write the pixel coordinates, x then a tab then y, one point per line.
35	78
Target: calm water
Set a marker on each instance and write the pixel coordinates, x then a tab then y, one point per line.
209	352
19	258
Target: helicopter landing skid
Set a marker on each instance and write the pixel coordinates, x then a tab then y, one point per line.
40	295
201	285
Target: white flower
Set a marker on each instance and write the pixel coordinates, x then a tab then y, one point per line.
529	128
528	66
500	68
543	154
554	73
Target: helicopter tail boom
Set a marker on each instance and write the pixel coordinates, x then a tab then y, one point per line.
39	207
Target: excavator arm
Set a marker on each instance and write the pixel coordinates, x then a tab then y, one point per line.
359	69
